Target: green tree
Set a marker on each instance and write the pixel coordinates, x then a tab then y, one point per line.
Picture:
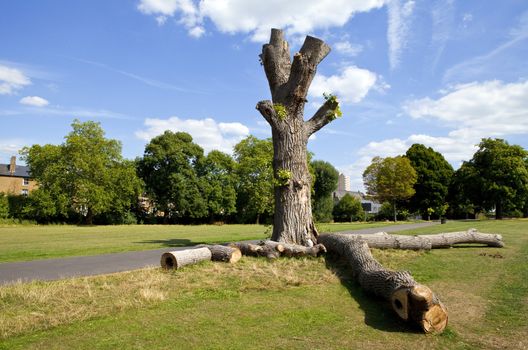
497	177
390	179
4	206
434	175
348	209
255	178
218	179
86	175
169	170
326	177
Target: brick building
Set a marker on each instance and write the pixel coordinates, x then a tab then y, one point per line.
15	179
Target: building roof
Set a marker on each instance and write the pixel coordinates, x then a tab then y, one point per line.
20	171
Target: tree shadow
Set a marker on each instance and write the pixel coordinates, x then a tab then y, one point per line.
174	242
378	313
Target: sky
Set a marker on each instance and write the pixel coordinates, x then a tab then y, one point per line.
443	73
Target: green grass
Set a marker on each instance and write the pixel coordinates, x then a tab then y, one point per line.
31	242
287	303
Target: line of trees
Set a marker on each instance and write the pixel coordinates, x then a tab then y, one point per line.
86	180
424	183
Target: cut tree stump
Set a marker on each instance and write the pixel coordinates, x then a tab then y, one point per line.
409	299
180	258
383	240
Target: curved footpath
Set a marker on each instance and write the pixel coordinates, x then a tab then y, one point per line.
53	269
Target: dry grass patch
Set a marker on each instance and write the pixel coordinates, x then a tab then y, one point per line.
43	305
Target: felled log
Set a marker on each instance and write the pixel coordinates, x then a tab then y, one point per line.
295	250
177	259
257	250
383	240
410	300
225	253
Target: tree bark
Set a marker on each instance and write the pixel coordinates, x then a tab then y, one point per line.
180	258
289	82
410	300
257	250
295	250
383	240
223	253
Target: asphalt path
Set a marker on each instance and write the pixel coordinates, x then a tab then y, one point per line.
53	269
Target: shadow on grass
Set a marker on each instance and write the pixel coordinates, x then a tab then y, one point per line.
171	242
378	313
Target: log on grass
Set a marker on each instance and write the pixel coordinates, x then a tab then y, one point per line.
179	258
409	299
257	250
383	240
224	253
295	250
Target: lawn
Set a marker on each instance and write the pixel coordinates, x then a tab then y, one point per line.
287	303
31	242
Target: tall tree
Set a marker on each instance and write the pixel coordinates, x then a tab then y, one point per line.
218	179
390	179
434	175
85	175
289	82
168	168
498	175
326	177
255	178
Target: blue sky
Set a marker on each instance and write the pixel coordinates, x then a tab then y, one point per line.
444	73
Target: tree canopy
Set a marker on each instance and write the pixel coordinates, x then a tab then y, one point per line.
255	178
434	175
169	169
390	179
348	209
497	176
85	176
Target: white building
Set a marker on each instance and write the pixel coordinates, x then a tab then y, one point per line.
343	188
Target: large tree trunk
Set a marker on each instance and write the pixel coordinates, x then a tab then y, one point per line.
410	300
289	82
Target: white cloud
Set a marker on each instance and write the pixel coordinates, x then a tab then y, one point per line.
443	17
163	9
351	86
12	79
256	17
209	134
347	48
34	101
400	15
491	108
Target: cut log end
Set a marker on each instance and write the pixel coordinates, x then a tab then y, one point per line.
418	304
168	261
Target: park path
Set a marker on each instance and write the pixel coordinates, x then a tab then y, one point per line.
53	269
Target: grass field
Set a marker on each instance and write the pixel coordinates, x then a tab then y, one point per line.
31	242
287	303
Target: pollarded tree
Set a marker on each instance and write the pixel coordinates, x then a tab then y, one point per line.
289	82
390	179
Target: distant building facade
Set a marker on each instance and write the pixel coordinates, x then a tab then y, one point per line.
15	179
343	188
